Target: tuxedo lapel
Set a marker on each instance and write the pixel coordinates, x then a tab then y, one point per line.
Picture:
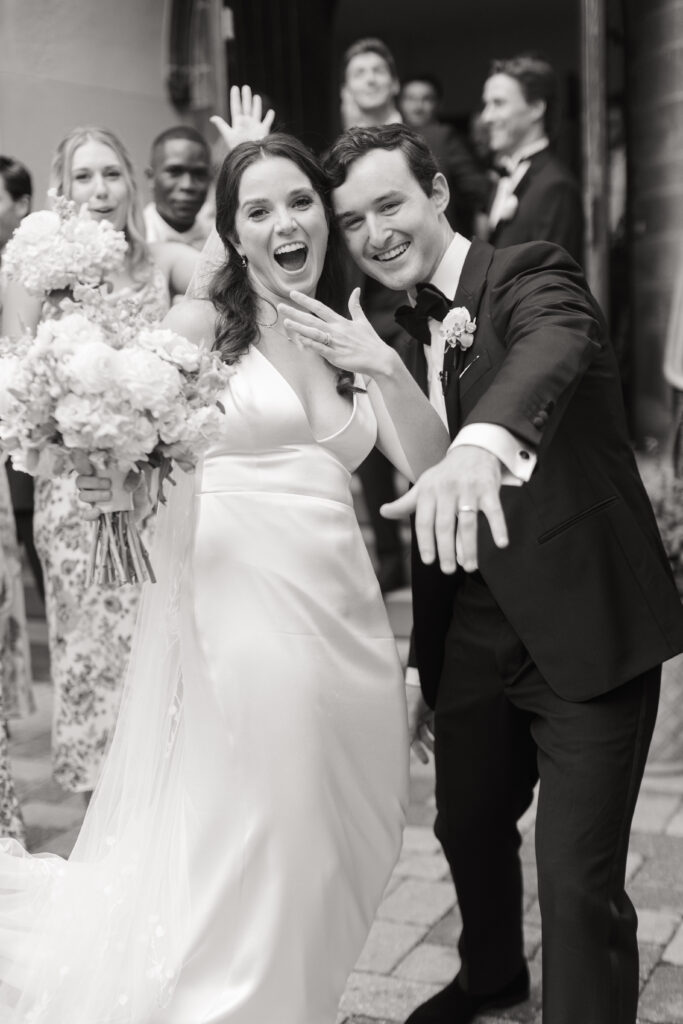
468	294
536	164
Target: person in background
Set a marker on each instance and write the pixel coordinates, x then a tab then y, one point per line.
16	191
90	628
420	100
537	197
16	697
369	88
370	84
180	177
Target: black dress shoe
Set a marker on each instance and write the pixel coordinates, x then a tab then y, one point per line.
455	1006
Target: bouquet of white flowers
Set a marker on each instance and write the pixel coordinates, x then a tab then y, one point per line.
127	399
52	250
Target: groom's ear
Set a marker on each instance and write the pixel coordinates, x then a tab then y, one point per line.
441	193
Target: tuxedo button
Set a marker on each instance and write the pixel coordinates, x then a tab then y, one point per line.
539	421
524	454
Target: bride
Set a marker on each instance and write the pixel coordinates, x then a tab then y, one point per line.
251	807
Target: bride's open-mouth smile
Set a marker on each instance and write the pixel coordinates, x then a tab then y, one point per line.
291	256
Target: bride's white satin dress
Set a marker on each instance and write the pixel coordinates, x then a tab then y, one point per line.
296	817
283	787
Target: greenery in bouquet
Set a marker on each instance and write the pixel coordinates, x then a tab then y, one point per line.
127	398
59	249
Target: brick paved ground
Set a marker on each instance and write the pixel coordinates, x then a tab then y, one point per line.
411	951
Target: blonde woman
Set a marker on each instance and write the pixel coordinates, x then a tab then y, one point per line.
90	628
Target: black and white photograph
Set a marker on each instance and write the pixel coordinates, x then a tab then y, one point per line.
341	517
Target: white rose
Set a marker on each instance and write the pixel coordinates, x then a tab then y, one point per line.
68	333
73	413
172	347
37	226
90	368
145	380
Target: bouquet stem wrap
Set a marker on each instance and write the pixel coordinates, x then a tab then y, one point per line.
117	553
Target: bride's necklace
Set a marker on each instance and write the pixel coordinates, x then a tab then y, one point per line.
273	328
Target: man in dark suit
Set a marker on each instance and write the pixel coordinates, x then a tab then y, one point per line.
540	636
419	100
537	197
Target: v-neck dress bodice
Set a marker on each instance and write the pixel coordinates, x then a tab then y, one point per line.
268	442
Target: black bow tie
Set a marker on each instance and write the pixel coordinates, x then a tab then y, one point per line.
430	303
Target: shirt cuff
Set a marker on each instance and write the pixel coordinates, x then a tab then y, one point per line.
519	460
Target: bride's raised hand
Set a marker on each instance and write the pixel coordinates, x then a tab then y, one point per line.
348	343
248	123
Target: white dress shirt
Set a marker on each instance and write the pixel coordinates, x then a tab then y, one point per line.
516	165
158	230
518	459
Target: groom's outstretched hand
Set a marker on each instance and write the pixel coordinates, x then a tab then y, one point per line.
447	500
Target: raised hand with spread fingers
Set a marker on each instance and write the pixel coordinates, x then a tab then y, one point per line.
248	122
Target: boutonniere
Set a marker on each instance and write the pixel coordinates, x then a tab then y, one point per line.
508	207
458	328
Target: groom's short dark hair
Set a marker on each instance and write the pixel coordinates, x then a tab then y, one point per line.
356	142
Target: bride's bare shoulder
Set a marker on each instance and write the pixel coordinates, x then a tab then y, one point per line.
195	319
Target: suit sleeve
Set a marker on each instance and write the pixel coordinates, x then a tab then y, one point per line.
552	331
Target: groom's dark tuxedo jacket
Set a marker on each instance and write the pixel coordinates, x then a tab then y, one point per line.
585	581
550	208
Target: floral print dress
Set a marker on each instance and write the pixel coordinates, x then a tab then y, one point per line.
89	627
16	696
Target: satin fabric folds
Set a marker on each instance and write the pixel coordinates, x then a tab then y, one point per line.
250	814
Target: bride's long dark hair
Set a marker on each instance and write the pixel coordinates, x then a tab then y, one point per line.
231	290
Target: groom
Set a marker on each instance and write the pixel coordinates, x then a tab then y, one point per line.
540	636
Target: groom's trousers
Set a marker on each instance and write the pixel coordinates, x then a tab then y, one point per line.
499	727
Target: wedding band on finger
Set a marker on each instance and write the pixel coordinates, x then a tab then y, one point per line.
326	339
464	509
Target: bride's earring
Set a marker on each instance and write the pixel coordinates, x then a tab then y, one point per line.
243	260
